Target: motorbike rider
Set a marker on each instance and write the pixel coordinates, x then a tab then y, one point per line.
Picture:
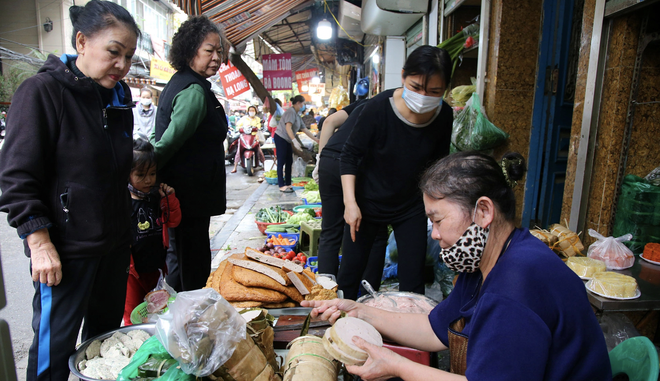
245	125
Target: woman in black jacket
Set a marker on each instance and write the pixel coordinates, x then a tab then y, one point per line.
63	172
190	128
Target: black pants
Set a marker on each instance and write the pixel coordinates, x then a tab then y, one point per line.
333	223
410	234
189	255
284	161
93	289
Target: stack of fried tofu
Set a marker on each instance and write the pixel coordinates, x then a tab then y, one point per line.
253	279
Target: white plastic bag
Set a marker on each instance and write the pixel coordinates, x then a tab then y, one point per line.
315	172
201	331
612	251
298	168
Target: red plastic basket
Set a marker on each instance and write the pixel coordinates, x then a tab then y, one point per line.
262	226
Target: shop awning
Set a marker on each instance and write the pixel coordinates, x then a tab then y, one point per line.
245	19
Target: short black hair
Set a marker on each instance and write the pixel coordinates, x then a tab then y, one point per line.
463	177
96	16
427	61
254	107
278	101
187	40
297	99
143	155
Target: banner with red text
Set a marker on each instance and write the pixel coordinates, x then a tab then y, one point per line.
233	82
303	77
277	71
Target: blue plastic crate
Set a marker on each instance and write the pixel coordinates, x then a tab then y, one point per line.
295	236
286	235
315	268
309	203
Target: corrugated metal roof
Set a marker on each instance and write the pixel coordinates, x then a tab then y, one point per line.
245	19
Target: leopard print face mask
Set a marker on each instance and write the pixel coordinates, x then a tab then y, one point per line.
465	254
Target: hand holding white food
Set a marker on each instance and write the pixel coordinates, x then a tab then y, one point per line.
331	310
46	265
382	363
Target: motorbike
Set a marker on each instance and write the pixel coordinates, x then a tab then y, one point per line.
232	145
248	144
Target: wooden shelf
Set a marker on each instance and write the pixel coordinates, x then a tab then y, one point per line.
452	5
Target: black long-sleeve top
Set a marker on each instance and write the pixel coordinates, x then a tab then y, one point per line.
388	155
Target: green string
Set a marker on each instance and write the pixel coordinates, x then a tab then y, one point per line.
308	354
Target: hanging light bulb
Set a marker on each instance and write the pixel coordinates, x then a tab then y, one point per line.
376	59
324	30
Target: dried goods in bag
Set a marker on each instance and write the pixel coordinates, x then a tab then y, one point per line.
201	330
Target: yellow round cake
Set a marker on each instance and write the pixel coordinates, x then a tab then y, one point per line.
613	284
585	267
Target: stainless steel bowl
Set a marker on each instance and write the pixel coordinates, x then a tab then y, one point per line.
77	357
411	295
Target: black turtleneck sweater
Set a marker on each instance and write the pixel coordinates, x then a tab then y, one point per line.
106	94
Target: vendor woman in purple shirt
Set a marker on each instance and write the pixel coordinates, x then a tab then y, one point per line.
524	313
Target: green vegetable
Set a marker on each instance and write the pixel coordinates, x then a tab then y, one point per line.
312	185
272	173
311	212
299	217
273	214
312	197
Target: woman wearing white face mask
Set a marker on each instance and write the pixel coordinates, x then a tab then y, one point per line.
398	134
524	313
144	115
244	125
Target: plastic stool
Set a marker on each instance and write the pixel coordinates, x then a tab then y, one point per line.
310	233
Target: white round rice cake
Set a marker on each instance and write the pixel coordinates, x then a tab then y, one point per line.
337	354
346	328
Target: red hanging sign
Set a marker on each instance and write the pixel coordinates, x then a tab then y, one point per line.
277	71
303	77
233	82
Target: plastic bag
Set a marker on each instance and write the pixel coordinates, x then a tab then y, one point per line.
298	168
617	328
462	94
472	131
152	348
201	331
638	212
338	98
654	177
611	251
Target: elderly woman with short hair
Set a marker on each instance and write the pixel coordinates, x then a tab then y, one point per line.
190	128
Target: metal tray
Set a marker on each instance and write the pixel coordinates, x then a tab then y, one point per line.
79	355
410	295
